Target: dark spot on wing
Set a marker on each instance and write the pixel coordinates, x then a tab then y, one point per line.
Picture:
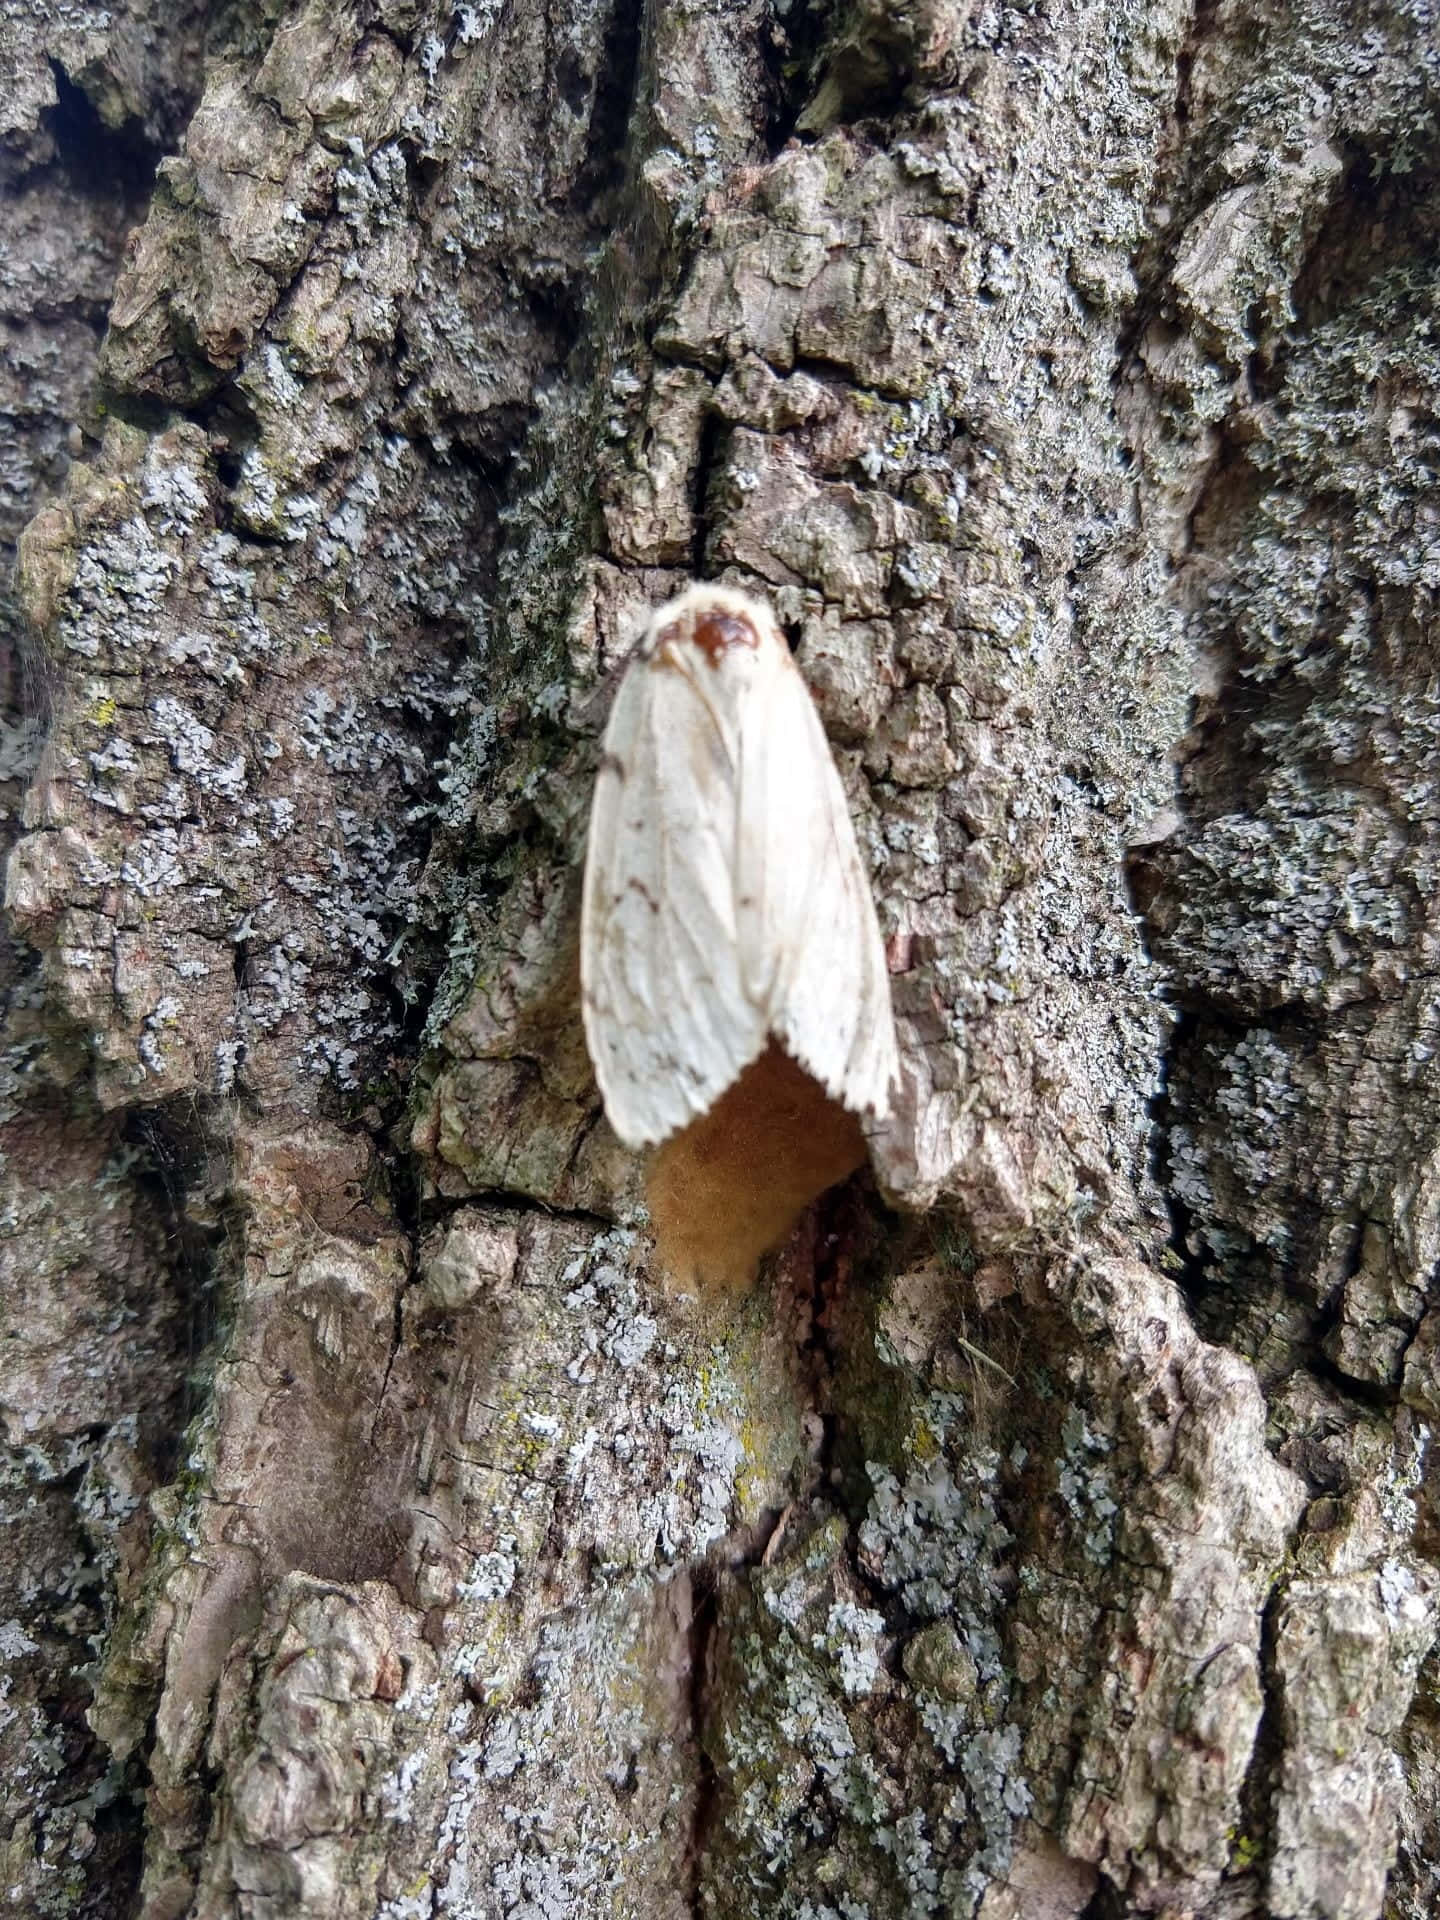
645	894
612	763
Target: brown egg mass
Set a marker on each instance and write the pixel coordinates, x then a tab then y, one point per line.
730	1186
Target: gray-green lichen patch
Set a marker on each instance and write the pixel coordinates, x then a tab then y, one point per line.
1150	1522
1347	1654
864	1755
577	1410
1289	898
277	605
582	1793
1295	899
433	1553
307	1717
217	715
95	1327
1191	1550
240	210
501	1471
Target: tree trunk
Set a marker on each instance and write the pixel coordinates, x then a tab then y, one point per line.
1049	1531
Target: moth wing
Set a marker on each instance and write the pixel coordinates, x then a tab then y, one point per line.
667	1020
810	947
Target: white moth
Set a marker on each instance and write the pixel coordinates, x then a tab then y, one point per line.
725	901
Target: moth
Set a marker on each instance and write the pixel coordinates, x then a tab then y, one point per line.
735	993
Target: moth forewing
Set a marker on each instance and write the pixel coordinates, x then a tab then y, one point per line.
807	923
666	1020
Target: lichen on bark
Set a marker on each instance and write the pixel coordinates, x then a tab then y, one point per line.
1050	1532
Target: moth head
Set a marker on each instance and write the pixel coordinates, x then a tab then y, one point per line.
715	632
714	622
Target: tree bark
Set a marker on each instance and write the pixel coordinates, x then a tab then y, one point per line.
1050	1532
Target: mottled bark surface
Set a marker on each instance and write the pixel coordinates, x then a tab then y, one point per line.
1051	1533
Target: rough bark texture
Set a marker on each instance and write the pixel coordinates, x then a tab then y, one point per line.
1052	1531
